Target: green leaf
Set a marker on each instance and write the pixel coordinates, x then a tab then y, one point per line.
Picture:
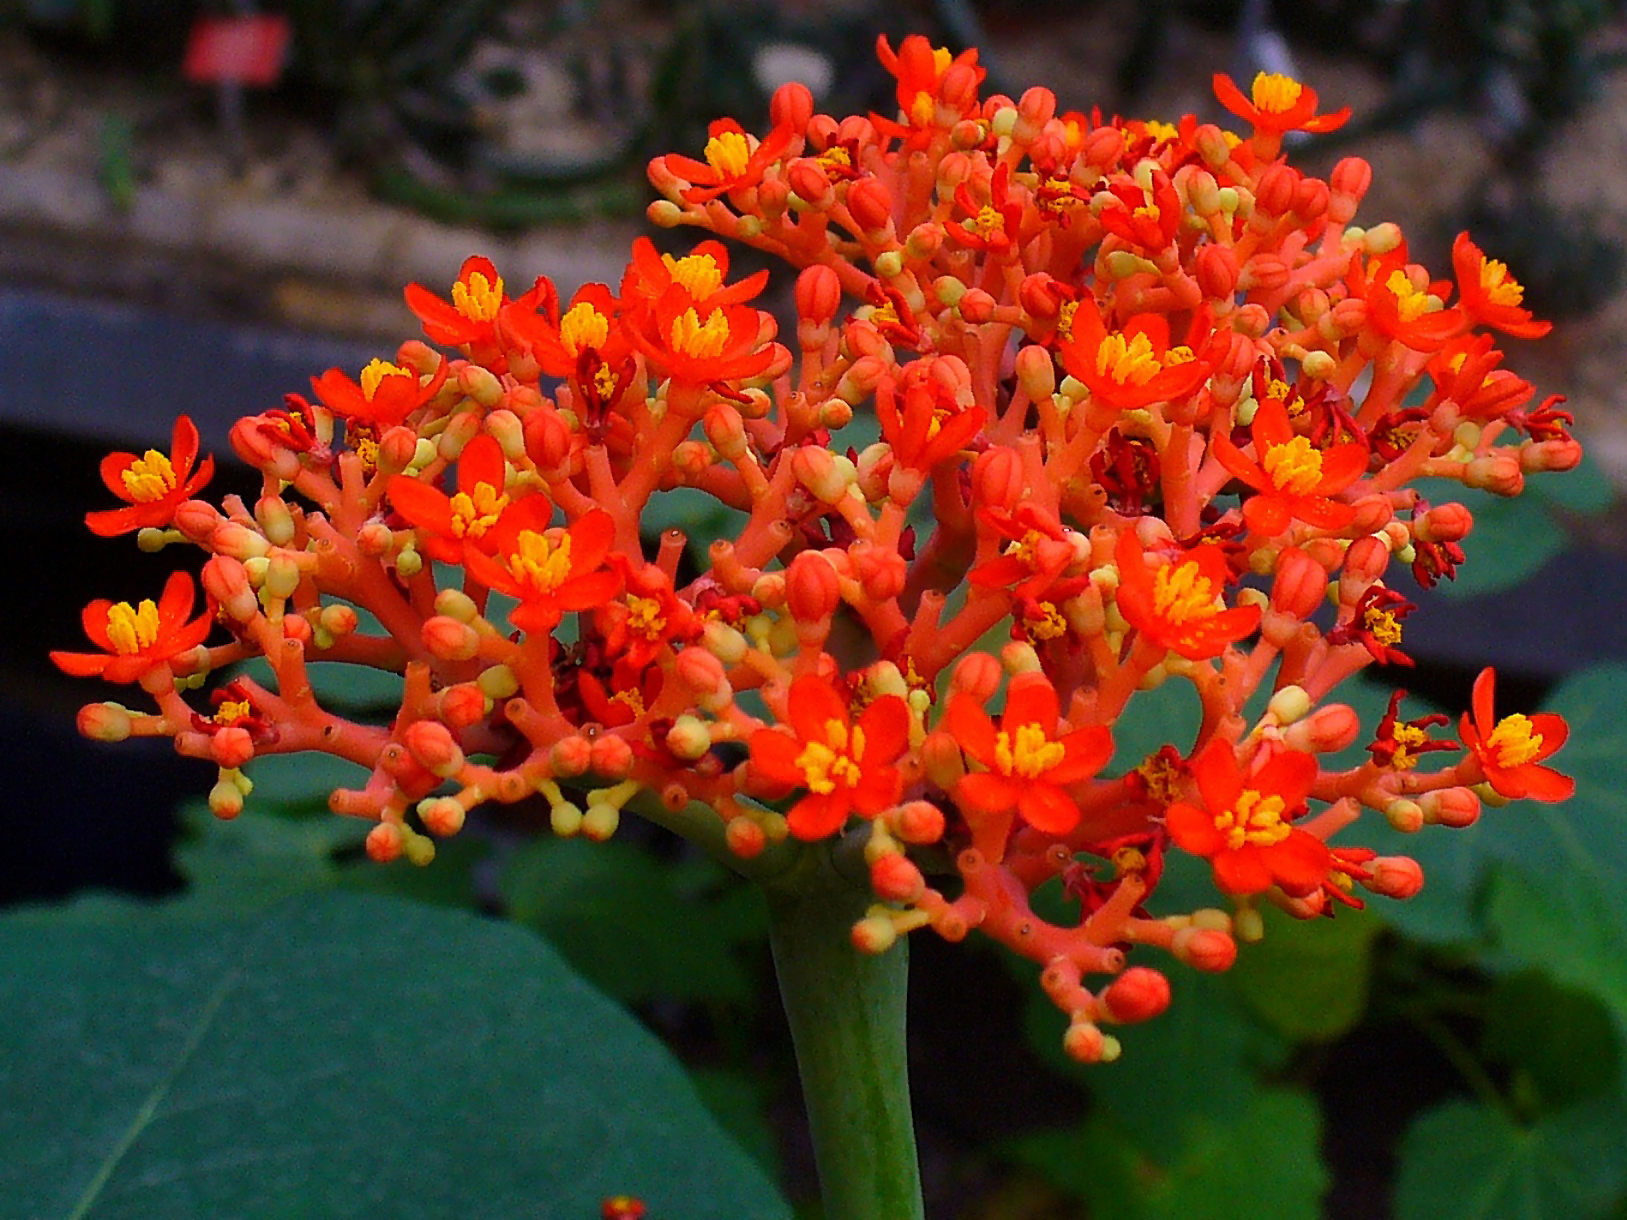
739	1101
299	783
1570	927
1308	979
1511	540
1261	1161
1168	714
1561	1039
257	859
338	1056
1463	1161
1587	489
618	916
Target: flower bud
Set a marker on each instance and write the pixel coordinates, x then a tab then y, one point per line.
1457	807
432	747
1395	877
1208	949
1036	372
818	294
275	519
978	675
296	627
547	439
480	384
1443	523
701	671
600	821
569	756
442	816
976	306
450	640
104	722
565	819
197	519
610	756
1498	473
227	581
282	574
745	837
871	205
385	843
812	588
1300	586
924	241
1274	192
1311	199
1139	994
1103	147
1085	1043
920	821
689	739
1366	561
1329	728
873	934
1217	271
1373	513
808	179
791	107
1404	816
998	480
895	878
238	541
498	682
225	800
1555	455
231	747
1035	109
461	705
1348	183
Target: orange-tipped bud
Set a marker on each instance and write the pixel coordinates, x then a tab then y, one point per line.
1207	949
726	430
1373	513
385	842
1404	816
998	480
1553	455
611	756
462	705
941	759
231	747
1103	147
792	107
1498	473
808	179
701	671
1395	877
1311	198
442	816
450	640
1264	272
294	627
238	541
1139	994
1330	727
1036	372
1035	109
432	746
871	204
1444	523
570	756
227	581
275	519
1451	807
1300	586
104	722
1365	562
1348	183
895	878
1217	272
812	588
978	675
924	241
1274	193
1085	1043
745	837
397	447
547	439
919	821
976	306
818	294
874	934
226	800
197	519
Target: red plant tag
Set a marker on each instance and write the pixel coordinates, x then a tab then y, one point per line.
237	50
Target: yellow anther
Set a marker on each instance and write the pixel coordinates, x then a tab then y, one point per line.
1275	93
150	477
1500	287
1383	626
941	59
644	616
1513	743
1294	467
836	155
130	629
581	328
478	298
1162	776
1255	820
1410	303
605	381
1148	211
698	273
727	153
1181	594
923	109
233	710
1407	738
376	371
988	220
1064	321
1278	390
697	340
1161	131
835	760
1128	362
1030	755
1047	623
473	515
540	563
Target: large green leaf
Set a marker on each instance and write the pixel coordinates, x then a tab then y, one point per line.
1560	1041
1260	1161
1571	927
1463	1161
1511	539
629	922
1308	978
337	1056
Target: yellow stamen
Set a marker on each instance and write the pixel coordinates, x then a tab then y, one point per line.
1148	211
1162	777
581	328
1410	302
698	273
923	109
835	760
1407	738
697	340
606	382
473	515
1275	93
150	477
644	616
1064	320
540	563
1513	743
1047	623
1128	362
130	629
478	298
632	698
1181	594
376	371
1500	287
1031	755
1294	467
727	153
988	220
232	711
1161	131
941	59
1278	390
837	156
1383	626
1256	820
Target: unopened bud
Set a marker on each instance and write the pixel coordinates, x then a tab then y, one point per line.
1139	994
791	107
565	819
225	800
1457	807
397	448
1036	372
1207	949
442	816
480	384
600	821
450	640
895	878
1300	586
611	756
462	705
569	756
227	581
818	294
997	478
1395	877
919	822
874	934
1405	816
978	675
385	843
433	748
104	722
871	205
745	838
231	747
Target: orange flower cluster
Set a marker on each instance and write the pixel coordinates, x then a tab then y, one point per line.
1146	411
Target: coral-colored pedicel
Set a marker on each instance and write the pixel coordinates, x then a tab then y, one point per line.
1150	410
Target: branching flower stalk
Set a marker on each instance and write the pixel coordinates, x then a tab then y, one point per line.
1150	410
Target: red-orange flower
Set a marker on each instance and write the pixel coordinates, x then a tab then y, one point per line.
701	345
1465	371
703	273
385	395
1028	765
465	519
1292	477
1040	553
152	485
991	226
1278	104
551	571
1134	367
1244	826
920	68
932	427
477	299
1510	751
1180	605
134	639
1490	295
559	343
846	767
734	160
1397	308
1148	219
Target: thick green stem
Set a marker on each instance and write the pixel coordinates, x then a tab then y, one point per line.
846	1011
